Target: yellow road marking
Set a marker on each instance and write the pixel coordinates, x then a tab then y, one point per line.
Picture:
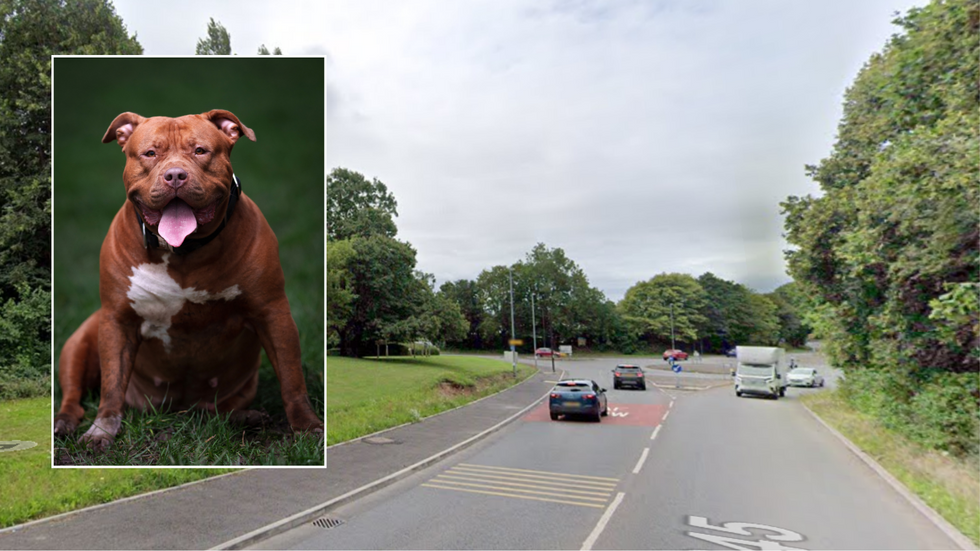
449	479
557	492
539	472
529	478
565	502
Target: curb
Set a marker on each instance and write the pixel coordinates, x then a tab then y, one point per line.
310	514
951	531
61	516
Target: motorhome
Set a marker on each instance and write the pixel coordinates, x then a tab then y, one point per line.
761	370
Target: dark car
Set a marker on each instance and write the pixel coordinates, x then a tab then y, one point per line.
731	353
629	375
678	355
578	397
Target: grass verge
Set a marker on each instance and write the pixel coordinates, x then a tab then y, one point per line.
368	395
948	485
31	489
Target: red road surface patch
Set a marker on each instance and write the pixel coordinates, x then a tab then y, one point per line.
637	415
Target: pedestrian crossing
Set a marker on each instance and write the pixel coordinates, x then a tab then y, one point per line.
568	489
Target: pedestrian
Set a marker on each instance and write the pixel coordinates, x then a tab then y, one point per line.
697	357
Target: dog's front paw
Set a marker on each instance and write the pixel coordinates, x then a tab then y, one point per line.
64	425
102	432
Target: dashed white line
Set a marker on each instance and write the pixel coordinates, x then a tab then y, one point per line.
655	431
671	404
587	546
665	416
639	464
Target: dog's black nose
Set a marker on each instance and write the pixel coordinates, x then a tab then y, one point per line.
175	177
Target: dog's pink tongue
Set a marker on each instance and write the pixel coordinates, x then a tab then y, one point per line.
177	222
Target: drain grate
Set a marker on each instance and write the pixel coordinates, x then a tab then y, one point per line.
327	523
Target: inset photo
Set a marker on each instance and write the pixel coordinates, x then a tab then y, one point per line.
188	261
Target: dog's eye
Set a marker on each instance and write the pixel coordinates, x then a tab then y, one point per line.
150	153
199	151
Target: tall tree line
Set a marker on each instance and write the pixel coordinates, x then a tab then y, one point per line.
30	32
889	254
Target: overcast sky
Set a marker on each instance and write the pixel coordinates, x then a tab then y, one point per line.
641	137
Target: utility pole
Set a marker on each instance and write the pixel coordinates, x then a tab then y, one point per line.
534	333
513	352
672	345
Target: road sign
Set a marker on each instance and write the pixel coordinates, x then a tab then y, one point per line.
515	342
676	367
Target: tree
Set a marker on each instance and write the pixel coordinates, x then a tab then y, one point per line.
357	206
791	305
340	283
384	289
894	238
650	306
463	293
30	32
265	51
218	41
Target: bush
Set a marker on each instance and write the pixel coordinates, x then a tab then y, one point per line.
937	409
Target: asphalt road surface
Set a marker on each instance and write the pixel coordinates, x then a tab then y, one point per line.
667	469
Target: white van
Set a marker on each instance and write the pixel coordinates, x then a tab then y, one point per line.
761	370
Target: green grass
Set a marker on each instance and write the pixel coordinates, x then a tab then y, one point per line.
189	438
950	486
283	172
367	395
31	489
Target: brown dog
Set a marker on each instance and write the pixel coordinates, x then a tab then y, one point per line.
190	283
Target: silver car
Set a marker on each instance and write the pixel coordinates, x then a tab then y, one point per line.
804	376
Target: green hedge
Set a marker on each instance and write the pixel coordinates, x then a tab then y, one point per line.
937	409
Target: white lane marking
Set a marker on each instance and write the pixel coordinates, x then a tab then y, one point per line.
639	464
665	416
587	546
616	413
655	431
671	404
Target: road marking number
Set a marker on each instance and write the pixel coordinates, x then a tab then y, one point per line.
772	542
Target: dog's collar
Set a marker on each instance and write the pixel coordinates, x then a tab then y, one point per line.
151	241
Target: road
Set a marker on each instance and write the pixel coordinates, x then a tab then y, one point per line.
668	469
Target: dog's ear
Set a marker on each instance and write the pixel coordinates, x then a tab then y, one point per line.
122	128
227	122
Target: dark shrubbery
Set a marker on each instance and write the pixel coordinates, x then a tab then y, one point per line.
936	409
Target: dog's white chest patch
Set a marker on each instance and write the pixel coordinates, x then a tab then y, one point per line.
156	297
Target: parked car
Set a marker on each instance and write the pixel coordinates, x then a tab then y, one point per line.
804	376
544	352
578	397
629	375
731	353
678	355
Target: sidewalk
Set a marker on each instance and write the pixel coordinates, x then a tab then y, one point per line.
213	512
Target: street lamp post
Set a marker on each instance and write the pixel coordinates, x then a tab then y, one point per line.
672	345
534	333
513	351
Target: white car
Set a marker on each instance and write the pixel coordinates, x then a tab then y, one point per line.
804	376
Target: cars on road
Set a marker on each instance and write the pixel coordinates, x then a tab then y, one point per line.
544	352
678	355
804	376
629	375
731	353
578	397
